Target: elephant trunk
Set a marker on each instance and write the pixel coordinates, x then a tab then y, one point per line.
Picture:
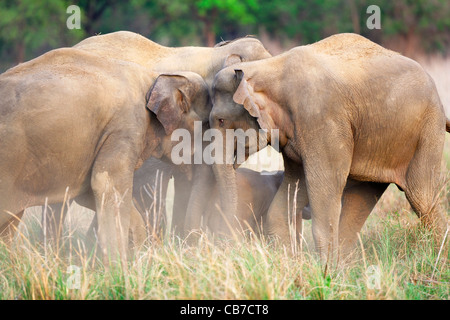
226	181
225	176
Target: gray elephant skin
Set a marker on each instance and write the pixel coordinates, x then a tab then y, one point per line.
256	191
353	117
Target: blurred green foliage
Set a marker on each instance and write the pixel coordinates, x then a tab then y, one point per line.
29	28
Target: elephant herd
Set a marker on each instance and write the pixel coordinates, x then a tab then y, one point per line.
95	123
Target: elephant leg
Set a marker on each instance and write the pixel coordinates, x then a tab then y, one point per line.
160	203
91	234
327	166
87	200
281	217
137	228
325	201
202	191
423	185
149	194
55	216
358	200
112	182
183	189
8	229
137	225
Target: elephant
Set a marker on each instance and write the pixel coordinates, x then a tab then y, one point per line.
205	61
72	120
349	117
256	191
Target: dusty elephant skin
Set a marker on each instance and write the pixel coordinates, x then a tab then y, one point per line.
73	119
256	191
127	46
352	118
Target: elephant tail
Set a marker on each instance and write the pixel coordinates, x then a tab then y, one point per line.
447	125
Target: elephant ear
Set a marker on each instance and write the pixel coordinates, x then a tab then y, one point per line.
169	99
257	104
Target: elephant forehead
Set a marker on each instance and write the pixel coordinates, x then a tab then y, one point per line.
227	111
225	81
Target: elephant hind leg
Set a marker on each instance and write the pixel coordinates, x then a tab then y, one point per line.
425	203
423	183
358	201
8	229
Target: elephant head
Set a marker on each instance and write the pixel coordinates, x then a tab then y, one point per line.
209	61
206	62
235	107
242	50
178	100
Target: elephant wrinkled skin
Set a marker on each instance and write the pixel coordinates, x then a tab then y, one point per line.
352	118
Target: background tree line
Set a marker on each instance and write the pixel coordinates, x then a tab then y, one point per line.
414	27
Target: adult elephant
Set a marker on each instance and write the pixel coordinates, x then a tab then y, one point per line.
205	61
352	117
71	120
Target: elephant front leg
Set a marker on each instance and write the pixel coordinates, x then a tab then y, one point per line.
327	161
284	218
325	189
202	191
111	182
183	189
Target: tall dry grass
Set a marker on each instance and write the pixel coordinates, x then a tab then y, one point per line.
395	259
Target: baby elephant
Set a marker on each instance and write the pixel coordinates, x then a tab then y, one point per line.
256	191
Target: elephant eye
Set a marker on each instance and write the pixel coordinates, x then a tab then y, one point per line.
221	122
